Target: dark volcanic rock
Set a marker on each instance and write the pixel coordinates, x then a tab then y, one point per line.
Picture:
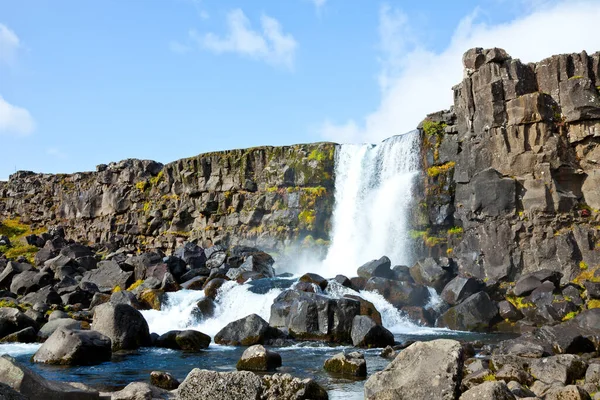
367	333
376	268
460	288
476	313
398	293
109	275
429	273
246	332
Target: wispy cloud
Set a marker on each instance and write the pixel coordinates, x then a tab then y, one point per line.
415	80
271	45
9	45
318	3
15	120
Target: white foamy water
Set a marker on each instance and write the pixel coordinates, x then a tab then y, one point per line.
233	302
19	349
373	196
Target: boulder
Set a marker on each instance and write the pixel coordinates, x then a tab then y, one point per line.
508	311
286	387
142	390
205	309
258	358
259	262
476	313
421	315
192	254
314	279
570	392
399	293
34	387
123	324
424	370
429	273
76	250
459	288
27	335
12	268
29	281
108	276
48	329
196	283
526	285
351	364
246	331
164	380
13	320
376	268
188	340
151	299
563	368
8	393
367	333
216	259
490	390
212	385
74	347
125	297
211	288
366	308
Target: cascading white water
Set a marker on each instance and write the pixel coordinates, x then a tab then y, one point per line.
373	195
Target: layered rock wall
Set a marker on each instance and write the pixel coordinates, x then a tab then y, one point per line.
511	177
265	196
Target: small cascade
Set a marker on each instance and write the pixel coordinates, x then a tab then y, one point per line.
373	198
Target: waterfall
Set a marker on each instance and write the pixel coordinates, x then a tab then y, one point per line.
373	197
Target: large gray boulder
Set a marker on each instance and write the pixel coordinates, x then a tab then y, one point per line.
13	320
49	328
142	391
376	268
490	390
286	387
367	333
399	293
34	387
246	331
429	273
563	368
258	358
476	313
108	276
8	393
188	340
424	370
69	347
211	385
123	324
460	288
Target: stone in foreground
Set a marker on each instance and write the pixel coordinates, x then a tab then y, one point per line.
35	387
142	390
424	370
286	387
489	391
71	347
164	380
258	358
211	385
352	364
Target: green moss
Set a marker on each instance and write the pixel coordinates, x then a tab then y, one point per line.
519	302
142	186
456	230
490	377
135	285
27	251
8	303
576	77
318	155
440	169
593	304
433	128
583	265
155	180
588	275
147	206
307	219
570	315
13	228
272	189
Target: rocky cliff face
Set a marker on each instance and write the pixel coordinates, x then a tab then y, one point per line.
266	196
511	177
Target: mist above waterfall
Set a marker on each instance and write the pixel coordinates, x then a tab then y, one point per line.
373	198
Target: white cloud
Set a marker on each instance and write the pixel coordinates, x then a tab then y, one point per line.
318	3
178	48
9	44
15	120
270	45
415	81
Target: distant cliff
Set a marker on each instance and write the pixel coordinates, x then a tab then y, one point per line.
265	196
511	174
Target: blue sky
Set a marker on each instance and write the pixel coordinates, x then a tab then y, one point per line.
89	82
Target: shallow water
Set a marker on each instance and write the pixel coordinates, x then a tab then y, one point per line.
303	360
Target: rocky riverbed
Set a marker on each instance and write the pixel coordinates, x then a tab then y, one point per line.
86	307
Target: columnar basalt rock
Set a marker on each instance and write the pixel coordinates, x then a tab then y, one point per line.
511	175
261	196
